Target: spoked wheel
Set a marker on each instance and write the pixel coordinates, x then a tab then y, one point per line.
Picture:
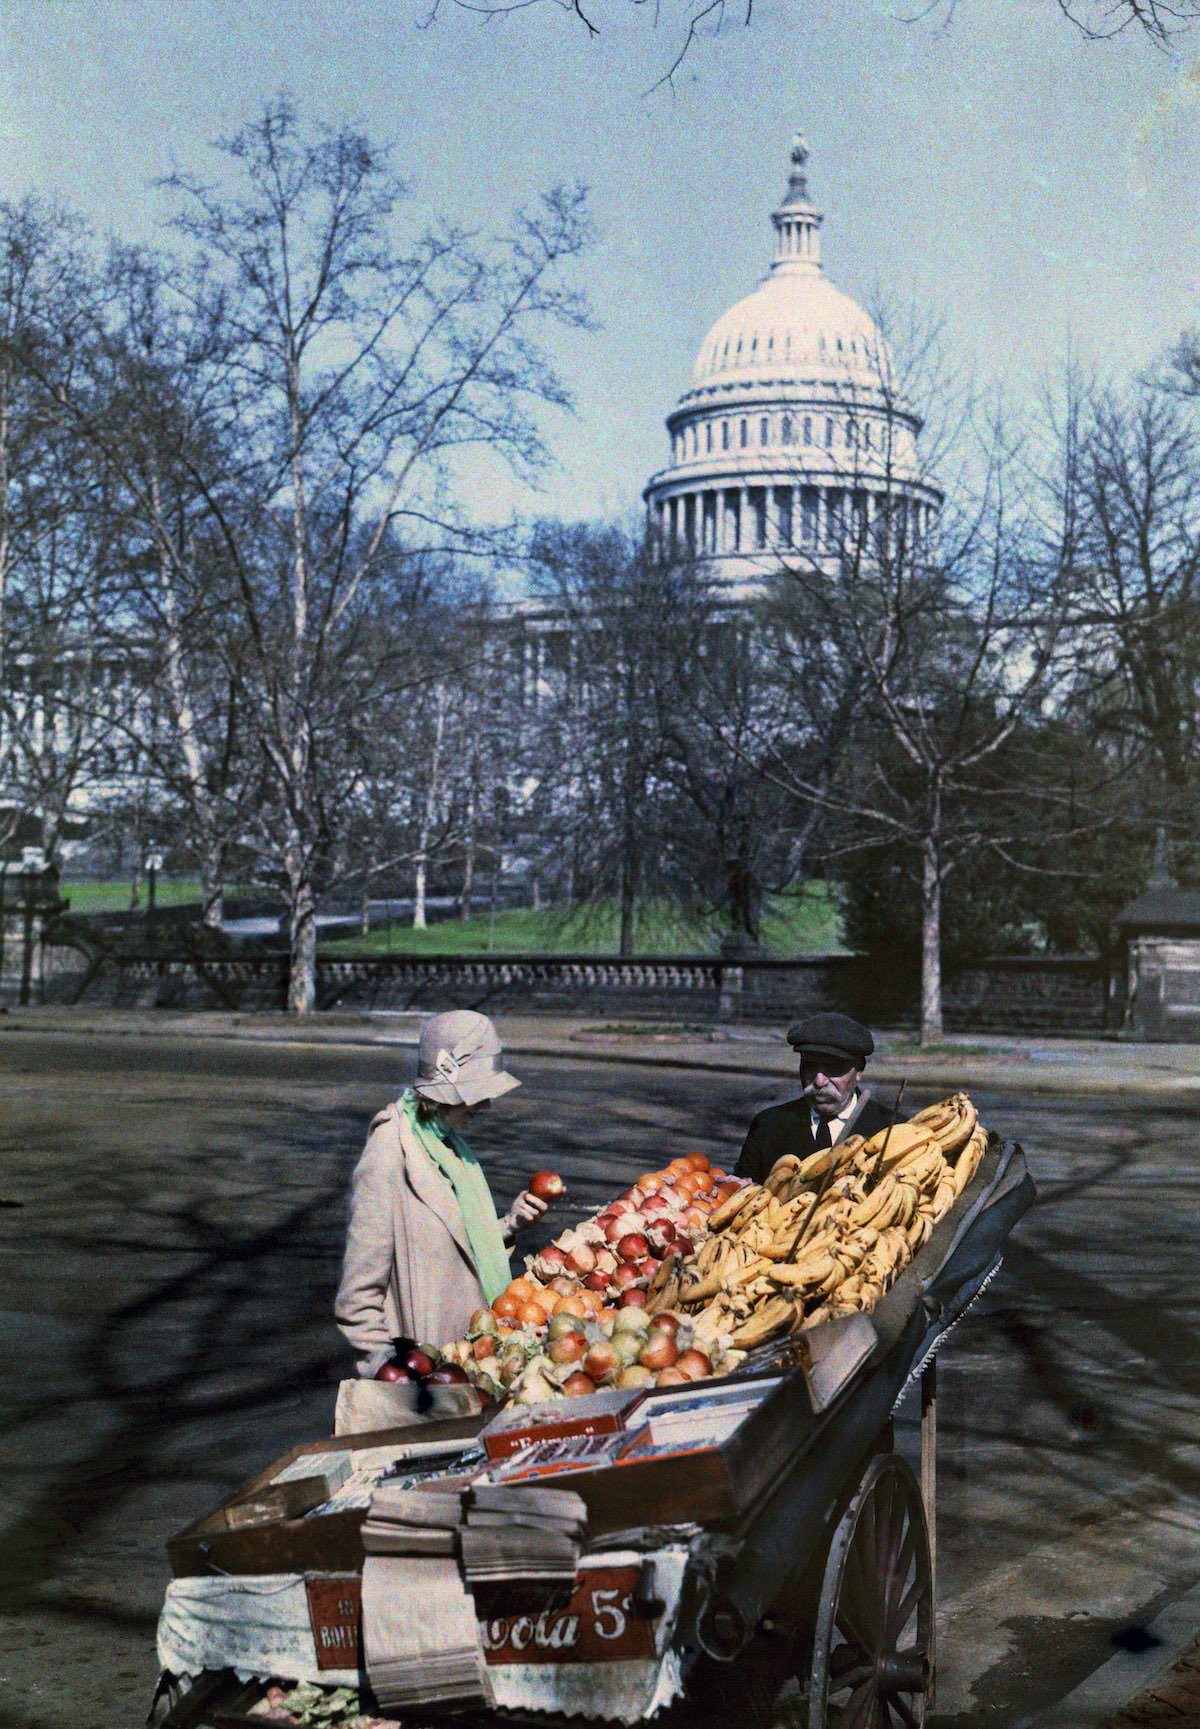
872	1658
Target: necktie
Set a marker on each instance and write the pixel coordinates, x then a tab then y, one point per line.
822	1138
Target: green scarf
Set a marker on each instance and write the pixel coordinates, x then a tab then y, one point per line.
454	1158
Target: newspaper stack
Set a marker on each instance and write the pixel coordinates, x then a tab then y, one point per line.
412	1521
522	1532
420	1637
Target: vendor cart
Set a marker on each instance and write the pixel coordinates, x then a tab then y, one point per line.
800	1557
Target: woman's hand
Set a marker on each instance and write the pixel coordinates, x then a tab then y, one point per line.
526	1210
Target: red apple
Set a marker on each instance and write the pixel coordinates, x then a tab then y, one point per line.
448	1375
546	1185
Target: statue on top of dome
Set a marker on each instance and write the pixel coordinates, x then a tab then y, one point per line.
799	150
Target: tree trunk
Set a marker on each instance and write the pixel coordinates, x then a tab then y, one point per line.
628	906
430	810
302	956
931	942
212	886
468	877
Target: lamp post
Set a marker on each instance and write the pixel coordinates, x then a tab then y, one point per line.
152	864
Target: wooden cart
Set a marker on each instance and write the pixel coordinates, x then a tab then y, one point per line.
820	1577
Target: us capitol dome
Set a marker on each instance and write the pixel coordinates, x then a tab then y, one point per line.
794	441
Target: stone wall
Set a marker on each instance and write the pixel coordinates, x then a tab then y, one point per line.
1063	994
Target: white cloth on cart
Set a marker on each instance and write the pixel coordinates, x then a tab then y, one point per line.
260	1626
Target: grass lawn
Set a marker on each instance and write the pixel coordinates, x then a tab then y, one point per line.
113	897
804	922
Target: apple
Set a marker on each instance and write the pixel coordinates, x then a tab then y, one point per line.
547	1185
390	1372
448	1375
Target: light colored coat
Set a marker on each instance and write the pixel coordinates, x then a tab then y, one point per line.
407	1269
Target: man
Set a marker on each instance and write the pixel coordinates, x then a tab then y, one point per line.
833	1051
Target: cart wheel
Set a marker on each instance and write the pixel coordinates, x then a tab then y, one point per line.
873	1636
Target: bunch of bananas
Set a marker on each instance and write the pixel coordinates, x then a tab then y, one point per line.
827	1234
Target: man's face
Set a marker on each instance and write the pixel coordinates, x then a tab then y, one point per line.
831	1084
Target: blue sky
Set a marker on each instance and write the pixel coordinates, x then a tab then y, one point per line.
1039	190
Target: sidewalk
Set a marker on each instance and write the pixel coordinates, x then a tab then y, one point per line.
980	1062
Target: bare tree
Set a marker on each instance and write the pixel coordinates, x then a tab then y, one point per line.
351	370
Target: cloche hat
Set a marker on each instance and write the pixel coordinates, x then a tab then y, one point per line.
459	1061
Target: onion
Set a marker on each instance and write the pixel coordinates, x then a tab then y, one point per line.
633	1247
582	1259
632	1298
546	1185
694	1364
578	1385
567	1348
659	1351
602	1360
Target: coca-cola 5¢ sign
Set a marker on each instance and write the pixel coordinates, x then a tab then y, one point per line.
598	1624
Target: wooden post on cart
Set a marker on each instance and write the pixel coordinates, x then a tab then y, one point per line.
929	1497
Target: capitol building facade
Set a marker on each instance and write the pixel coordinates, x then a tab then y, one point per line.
793	442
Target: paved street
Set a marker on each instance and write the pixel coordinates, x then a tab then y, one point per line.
169	1248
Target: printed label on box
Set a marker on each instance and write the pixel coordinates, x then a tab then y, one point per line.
335	1610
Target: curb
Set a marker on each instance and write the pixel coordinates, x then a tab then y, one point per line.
1010	1073
1118	1682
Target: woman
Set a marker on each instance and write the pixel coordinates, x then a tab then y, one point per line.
424	1246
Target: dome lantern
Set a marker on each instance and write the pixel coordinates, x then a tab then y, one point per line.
797	221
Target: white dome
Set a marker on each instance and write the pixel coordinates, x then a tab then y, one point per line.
795	328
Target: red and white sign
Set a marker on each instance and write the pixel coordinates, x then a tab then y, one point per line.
597	1624
335	1610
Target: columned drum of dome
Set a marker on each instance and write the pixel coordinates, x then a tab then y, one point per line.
794	436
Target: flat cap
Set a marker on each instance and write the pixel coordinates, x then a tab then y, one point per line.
832	1035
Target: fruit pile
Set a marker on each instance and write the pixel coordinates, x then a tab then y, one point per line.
828	1234
576	1320
572	1354
616	1255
